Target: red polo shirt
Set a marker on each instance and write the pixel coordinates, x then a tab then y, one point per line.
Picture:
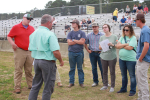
21	35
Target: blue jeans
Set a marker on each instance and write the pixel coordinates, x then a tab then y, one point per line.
94	58
130	66
76	58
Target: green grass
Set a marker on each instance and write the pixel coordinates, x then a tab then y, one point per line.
60	93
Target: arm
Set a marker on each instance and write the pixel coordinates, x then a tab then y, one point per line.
100	48
86	47
81	41
70	42
128	47
120	46
14	46
58	56
144	51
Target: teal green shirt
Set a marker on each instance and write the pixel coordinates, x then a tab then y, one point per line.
128	55
110	54
42	44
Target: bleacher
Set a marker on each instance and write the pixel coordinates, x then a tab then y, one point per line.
59	28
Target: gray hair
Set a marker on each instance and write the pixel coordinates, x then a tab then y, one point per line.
45	18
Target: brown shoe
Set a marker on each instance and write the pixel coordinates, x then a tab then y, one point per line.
82	85
70	85
59	84
17	91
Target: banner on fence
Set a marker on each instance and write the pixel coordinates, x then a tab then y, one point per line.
90	10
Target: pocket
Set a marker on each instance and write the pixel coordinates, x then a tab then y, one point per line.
53	72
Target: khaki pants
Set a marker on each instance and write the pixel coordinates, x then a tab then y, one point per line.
141	78
57	76
24	60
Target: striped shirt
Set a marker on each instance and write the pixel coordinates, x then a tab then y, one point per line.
93	41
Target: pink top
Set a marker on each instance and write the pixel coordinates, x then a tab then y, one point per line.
146	9
129	21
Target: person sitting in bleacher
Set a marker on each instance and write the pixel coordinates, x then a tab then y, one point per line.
67	29
129	20
127	10
122	22
89	23
133	23
140	9
134	9
83	24
145	9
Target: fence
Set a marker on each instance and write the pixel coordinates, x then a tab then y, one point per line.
77	10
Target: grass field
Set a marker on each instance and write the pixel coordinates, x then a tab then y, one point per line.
60	93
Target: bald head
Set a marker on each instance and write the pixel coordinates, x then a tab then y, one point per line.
46	18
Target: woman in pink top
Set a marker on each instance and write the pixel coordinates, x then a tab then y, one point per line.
129	20
145	9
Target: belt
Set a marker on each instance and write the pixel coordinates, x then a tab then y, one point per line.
23	49
97	51
51	61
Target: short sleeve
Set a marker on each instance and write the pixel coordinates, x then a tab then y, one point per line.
12	32
83	35
69	35
133	42
145	36
116	39
87	39
120	40
53	43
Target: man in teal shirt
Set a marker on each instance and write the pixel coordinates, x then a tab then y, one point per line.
45	50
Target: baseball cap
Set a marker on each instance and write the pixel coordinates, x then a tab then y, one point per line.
139	16
95	24
75	21
28	16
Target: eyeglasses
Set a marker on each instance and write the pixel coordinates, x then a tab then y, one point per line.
29	19
125	30
104	27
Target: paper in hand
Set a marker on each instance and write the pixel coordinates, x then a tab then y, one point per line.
104	45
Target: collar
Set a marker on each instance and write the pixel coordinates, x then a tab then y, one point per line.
22	25
97	34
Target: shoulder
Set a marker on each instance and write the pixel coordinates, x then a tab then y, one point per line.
145	29
81	32
113	35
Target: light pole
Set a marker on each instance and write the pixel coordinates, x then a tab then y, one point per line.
100	6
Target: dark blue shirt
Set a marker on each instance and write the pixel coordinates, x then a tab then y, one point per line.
144	37
123	20
139	8
89	22
77	35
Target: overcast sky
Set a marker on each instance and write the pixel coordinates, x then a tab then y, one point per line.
12	6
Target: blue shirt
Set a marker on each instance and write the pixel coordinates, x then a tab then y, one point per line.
93	41
123	20
77	35
42	44
144	37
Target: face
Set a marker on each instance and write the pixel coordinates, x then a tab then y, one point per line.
26	21
74	25
126	31
137	23
105	28
89	19
95	28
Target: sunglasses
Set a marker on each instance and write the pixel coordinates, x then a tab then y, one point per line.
125	30
29	19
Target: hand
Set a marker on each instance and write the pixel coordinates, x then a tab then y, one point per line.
61	63
14	46
140	59
89	51
110	44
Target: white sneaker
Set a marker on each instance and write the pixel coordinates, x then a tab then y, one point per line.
109	85
94	84
111	89
104	88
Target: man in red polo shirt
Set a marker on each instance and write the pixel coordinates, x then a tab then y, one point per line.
22	56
